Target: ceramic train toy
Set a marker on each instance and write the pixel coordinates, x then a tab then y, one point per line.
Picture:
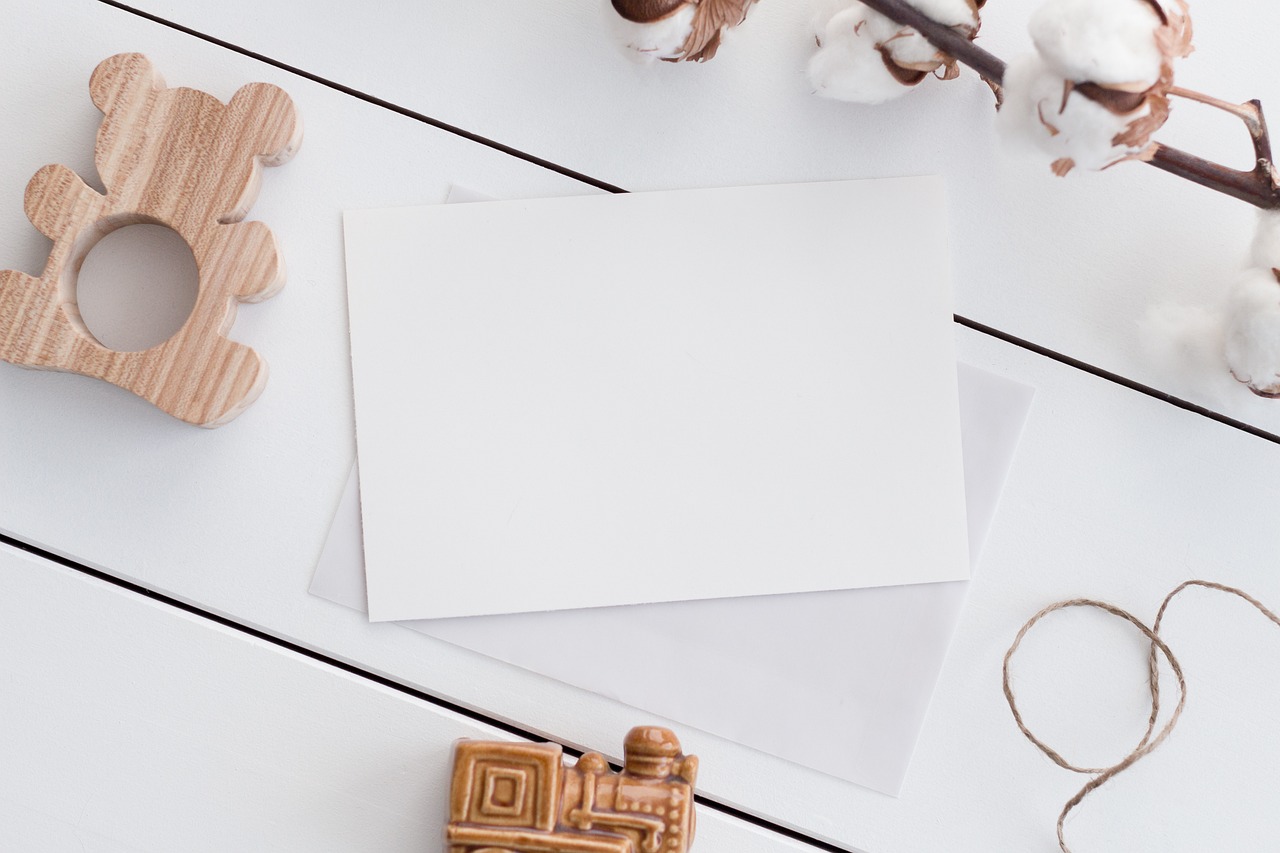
523	798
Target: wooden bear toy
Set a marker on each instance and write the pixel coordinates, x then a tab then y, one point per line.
175	157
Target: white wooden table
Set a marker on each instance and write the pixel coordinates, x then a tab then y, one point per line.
166	683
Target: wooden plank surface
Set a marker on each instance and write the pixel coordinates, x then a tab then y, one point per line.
134	726
974	777
1113	495
1072	264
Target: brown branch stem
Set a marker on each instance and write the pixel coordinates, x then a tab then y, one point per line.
1249	113
1255	122
1257	186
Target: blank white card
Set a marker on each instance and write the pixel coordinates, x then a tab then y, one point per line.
607	400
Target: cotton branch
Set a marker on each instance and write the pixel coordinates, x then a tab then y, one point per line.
1257	186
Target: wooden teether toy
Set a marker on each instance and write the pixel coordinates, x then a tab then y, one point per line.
175	157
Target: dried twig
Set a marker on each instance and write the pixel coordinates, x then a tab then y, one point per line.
1257	186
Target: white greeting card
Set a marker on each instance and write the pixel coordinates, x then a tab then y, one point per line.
606	400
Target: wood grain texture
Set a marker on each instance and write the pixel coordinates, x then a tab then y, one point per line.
174	157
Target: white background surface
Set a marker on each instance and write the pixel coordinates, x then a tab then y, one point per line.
1069	264
160	732
1114	494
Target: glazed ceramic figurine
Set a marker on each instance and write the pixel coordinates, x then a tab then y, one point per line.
677	30
522	798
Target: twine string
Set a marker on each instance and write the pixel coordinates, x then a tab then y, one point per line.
1151	738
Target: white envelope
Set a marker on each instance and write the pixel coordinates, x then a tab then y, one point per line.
836	681
603	400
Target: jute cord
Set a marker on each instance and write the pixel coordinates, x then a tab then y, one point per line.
1152	738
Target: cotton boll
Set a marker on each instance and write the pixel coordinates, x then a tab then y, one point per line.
848	65
1252	344
1265	252
868	58
1108	42
1044	108
1185	343
661	39
1101	87
1184	336
1253	332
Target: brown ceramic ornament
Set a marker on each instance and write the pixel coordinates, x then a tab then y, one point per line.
175	157
523	798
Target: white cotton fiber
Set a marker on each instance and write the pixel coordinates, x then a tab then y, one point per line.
1185	344
1109	42
1253	312
1265	252
1037	109
1253	331
825	10
911	50
953	13
661	39
847	65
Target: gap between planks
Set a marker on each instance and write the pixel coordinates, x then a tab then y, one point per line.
973	325
440	702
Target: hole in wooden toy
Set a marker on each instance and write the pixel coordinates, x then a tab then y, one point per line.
136	287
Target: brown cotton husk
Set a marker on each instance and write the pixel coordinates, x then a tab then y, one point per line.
710	19
1173	36
1137	134
1117	101
1048	125
904	75
997	90
646	11
909	73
